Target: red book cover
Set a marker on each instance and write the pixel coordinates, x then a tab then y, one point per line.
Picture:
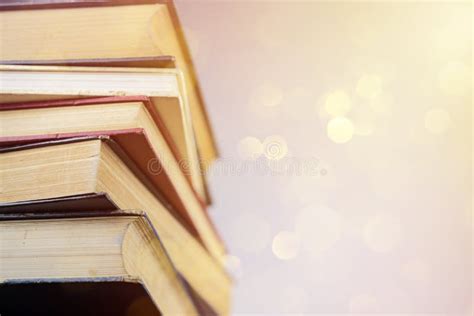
130	62
132	143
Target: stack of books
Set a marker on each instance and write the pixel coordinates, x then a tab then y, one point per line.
103	145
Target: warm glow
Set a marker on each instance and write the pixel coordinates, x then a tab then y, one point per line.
363	119
382	104
369	86
454	40
454	79
286	245
437	121
364	127
338	103
374	100
340	130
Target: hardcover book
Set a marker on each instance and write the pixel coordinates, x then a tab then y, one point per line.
90	166
101	29
119	248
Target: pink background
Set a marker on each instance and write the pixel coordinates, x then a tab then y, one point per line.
376	99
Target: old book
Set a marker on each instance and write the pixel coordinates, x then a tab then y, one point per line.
164	86
130	62
78	298
74	167
102	29
143	137
99	249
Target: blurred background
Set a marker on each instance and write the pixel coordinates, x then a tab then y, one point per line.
344	129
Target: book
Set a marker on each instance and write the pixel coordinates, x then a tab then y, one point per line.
143	137
163	85
128	62
123	247
70	167
79	298
103	29
90	204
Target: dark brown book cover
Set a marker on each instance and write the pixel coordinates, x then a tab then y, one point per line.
130	62
51	4
108	298
46	208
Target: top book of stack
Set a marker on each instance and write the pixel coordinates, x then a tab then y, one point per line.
51	31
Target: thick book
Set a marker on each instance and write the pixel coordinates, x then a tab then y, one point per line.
102	29
134	124
164	87
78	298
65	168
123	247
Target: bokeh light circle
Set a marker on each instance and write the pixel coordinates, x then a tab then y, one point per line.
286	245
340	130
338	103
275	147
